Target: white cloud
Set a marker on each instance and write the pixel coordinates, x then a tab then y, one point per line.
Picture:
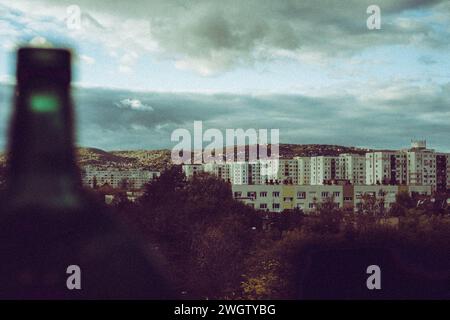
138	127
307	57
9	46
134	104
127	62
203	67
87	59
40	42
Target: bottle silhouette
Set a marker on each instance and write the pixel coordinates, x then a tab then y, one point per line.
48	222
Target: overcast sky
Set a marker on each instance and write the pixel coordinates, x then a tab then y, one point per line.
310	68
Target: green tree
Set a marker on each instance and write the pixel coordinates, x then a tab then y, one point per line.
327	217
403	202
121	201
203	232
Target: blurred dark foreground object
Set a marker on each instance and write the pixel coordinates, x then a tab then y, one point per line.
342	274
47	221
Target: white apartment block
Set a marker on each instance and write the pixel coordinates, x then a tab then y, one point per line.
352	167
324	168
233	172
191	170
239	173
421	169
220	170
416	166
254	173
288	171
270	171
303	170
427	167
282	171
117	177
386	167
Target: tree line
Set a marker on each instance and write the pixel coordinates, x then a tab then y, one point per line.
218	248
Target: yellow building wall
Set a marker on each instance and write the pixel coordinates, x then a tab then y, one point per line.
287	191
403	189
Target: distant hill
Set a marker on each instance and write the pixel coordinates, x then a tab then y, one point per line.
160	159
152	159
97	156
287	151
309	150
156	159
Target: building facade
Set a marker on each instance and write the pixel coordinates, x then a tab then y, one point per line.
126	178
276	198
191	170
303	170
323	169
352	167
415	166
220	170
386	167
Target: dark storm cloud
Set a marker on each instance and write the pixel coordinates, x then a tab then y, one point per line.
378	122
214	36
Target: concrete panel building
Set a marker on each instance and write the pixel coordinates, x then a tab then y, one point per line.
324	168
352	167
276	198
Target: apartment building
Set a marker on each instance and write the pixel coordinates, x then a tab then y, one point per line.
289	171
386	167
352	167
264	197
276	198
415	166
240	173
421	168
129	178
323	169
303	170
220	170
191	170
427	167
282	171
270	171
442	172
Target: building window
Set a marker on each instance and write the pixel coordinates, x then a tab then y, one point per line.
336	194
238	194
275	205
325	194
275	194
301	195
263	206
263	194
